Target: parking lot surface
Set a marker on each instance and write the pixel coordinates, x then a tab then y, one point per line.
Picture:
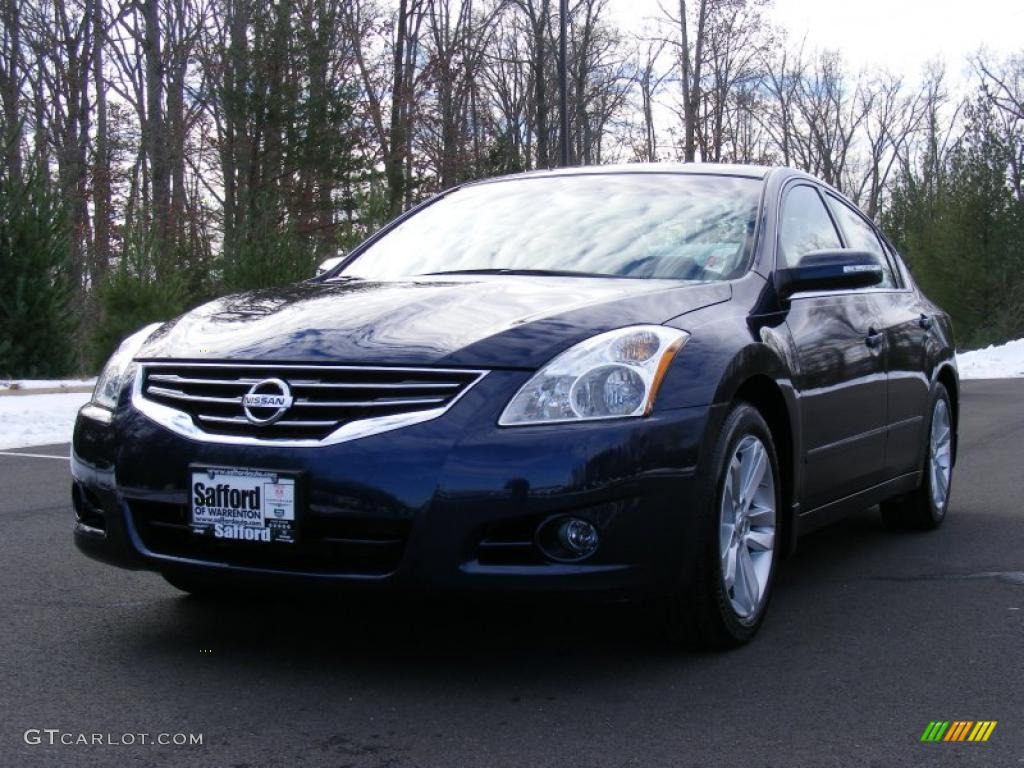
872	635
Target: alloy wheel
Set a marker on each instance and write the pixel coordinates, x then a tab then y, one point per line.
940	461
747	524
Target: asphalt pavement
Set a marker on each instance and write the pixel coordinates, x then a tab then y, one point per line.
871	636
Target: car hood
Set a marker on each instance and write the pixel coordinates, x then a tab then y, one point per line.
500	321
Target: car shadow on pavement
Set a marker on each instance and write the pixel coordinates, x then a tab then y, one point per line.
835	549
493	638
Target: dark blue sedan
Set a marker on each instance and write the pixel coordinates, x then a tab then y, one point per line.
641	380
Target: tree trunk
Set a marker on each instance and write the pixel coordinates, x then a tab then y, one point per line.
10	77
101	163
691	74
154	134
540	91
394	162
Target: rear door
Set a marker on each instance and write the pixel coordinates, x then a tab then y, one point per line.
906	332
839	373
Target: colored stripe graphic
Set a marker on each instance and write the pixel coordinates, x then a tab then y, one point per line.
935	730
959	730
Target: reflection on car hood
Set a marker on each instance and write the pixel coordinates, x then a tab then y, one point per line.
475	321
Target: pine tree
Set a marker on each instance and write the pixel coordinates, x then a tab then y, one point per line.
36	322
143	288
961	229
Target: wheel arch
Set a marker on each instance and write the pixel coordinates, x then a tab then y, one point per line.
766	396
947	376
758	373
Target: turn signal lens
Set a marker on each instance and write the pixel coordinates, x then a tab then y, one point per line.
637	347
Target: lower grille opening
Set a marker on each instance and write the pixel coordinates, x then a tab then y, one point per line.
328	545
510	543
88	509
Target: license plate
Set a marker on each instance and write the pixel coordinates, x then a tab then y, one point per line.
251	505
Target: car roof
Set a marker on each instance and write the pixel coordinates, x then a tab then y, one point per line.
715	169
779	174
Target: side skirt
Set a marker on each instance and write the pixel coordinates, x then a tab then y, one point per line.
836	510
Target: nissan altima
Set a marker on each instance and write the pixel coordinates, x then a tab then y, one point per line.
642	381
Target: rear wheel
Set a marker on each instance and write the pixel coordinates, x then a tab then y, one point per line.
723	602
925	507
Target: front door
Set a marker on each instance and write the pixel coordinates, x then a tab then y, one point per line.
839	346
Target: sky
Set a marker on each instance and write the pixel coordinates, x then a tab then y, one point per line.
903	35
899	35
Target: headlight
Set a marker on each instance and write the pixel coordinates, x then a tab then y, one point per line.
609	376
108	385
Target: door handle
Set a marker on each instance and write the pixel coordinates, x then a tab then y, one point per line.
926	322
874	338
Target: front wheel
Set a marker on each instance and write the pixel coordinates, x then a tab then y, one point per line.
925	507
724	601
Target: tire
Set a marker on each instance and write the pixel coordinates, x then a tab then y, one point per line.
705	610
925	507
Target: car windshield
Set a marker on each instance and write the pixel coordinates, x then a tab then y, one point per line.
637	225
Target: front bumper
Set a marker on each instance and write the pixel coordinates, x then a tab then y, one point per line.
453	503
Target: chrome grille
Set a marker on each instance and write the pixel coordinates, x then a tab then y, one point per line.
324	398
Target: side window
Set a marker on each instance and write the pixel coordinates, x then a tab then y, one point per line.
899	265
860	236
805	226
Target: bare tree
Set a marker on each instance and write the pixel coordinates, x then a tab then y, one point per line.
892	118
647	78
61	38
507	81
457	39
538	17
1003	87
830	112
736	41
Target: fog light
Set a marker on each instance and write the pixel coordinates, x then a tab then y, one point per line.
578	537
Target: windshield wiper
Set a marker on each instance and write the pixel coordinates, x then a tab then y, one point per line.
509	271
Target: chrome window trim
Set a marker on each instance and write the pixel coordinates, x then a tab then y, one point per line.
846	292
181	423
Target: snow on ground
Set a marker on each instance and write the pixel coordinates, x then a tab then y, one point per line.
27	420
38	419
1003	362
14	384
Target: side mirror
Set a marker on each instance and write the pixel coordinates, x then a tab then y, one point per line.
328	264
831	270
